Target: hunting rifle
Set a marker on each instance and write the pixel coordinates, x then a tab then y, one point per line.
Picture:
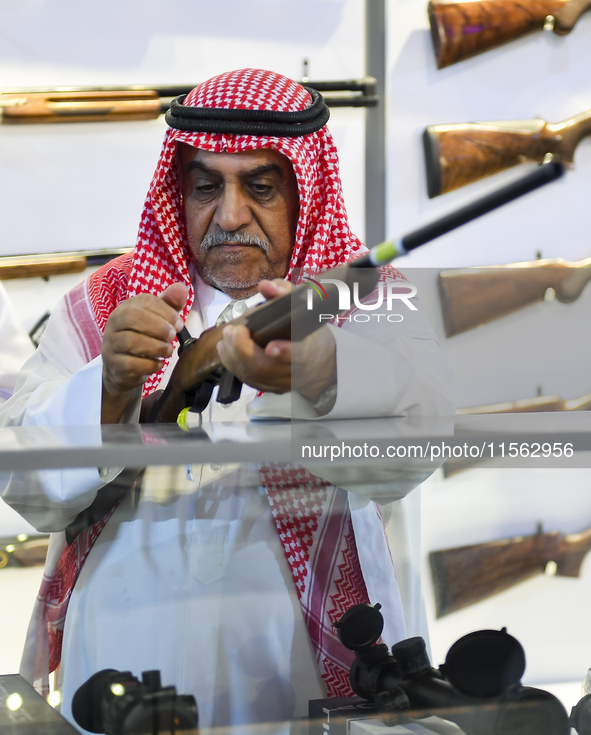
140	102
465	575
471	297
294	315
459	154
460	30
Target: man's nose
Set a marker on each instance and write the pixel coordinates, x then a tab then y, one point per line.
233	209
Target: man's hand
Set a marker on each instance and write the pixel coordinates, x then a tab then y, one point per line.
308	366
137	337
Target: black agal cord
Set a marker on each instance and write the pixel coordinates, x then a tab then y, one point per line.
249	122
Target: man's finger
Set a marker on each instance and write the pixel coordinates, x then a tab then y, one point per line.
139	345
144	321
279	348
176	295
133	368
272	289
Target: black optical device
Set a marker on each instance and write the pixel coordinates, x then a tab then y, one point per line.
478	687
117	703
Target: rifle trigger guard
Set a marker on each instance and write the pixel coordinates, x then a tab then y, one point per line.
198	398
230	388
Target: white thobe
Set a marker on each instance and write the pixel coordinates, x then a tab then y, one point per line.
193	579
15	346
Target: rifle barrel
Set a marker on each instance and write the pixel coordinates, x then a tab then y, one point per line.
141	102
385	252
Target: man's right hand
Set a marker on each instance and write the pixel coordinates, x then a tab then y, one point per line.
137	337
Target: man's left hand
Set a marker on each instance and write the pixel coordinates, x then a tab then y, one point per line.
308	366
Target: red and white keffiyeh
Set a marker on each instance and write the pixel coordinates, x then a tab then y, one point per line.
161	257
312	518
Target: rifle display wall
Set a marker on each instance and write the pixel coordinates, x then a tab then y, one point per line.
541	348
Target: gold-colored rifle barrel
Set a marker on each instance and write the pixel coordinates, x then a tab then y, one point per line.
78	106
40	266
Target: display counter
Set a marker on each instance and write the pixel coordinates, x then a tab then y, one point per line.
197	529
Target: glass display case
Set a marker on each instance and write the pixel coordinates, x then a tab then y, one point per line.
220	557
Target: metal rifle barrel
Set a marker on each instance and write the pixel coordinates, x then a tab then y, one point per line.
387	251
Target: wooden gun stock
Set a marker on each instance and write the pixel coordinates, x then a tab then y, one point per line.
54	264
468	574
541	404
459	154
531	405
460	30
471	297
23	551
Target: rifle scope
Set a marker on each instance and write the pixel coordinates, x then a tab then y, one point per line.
478	687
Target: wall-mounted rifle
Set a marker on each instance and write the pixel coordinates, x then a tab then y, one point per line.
140	102
471	297
459	154
460	30
465	575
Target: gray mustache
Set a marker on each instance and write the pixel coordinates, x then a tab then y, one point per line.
223	237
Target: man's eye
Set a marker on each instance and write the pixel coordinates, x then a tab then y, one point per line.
261	190
205	189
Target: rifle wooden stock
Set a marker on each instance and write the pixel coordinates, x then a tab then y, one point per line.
23	551
460	30
531	405
54	264
471	297
459	154
138	102
465	575
540	404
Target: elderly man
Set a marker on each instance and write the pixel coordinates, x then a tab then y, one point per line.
229	583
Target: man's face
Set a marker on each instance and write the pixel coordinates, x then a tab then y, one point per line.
241	212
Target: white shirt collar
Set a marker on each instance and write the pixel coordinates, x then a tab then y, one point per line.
210	302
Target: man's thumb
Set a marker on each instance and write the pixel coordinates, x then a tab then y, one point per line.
175	295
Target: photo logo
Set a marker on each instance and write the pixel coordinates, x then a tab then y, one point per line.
317	287
388	293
